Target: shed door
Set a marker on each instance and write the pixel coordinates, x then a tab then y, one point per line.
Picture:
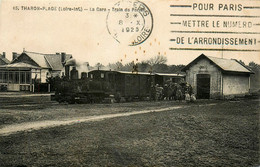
203	86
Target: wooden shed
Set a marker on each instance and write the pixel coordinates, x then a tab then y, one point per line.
213	77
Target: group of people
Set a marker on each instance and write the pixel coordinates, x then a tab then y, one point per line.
172	91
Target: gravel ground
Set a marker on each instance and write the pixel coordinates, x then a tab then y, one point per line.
16	108
225	134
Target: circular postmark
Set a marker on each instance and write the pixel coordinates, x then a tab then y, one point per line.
130	22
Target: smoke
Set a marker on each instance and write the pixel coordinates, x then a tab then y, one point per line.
70	62
82	67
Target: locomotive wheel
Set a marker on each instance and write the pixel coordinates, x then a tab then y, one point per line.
129	99
71	100
60	101
118	100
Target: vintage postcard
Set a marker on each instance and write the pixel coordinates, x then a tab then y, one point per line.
129	82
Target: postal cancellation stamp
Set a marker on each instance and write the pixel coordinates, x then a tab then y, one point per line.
130	22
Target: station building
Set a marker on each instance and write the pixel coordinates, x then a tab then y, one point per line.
27	68
3	59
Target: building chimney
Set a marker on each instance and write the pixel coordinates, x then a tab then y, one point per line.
15	55
3	56
63	57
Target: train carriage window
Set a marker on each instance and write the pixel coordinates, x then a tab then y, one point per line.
102	75
110	77
111	80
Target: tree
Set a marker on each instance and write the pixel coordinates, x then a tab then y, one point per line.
241	62
115	66
160	68
154	64
143	66
176	68
99	66
128	67
159	59
54	82
255	78
253	65
157	63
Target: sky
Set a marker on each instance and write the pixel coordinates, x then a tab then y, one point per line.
85	34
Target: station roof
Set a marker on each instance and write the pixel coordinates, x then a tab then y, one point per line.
5	60
53	61
19	65
170	75
39	59
227	65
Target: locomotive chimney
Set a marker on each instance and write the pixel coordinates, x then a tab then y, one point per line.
74	74
70	62
67	71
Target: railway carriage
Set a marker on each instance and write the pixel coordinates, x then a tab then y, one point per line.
98	85
125	84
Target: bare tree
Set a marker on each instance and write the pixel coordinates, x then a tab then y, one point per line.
241	62
255	78
254	65
159	59
143	66
115	66
99	66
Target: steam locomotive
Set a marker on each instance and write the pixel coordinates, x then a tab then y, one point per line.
100	85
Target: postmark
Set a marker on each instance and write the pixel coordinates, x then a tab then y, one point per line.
130	22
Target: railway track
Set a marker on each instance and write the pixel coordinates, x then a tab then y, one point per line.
18	99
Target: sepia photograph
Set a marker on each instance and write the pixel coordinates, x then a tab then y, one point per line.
129	83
